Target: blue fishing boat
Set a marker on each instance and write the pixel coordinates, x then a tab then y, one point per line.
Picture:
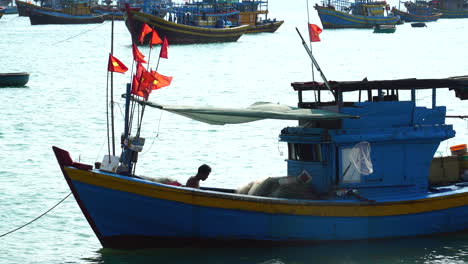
451	8
356	169
14	79
360	14
417	12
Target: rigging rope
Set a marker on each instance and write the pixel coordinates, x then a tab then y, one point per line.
18	228
105	22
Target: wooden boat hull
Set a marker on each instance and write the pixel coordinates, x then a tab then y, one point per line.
409	17
14	79
266	27
38	17
179	33
453	13
332	18
126	212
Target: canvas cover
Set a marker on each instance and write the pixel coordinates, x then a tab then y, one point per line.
257	111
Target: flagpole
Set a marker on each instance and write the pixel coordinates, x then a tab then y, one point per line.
316	94
316	64
112	91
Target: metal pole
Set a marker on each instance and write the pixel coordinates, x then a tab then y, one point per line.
316	64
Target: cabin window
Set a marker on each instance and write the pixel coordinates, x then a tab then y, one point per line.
305	152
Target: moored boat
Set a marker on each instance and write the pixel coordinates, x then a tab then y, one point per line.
451	8
14	79
360	14
356	169
384	28
187	30
39	17
417	14
418	24
255	14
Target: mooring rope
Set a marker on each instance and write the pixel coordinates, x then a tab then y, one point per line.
18	228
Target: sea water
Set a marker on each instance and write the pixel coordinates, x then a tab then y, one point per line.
64	105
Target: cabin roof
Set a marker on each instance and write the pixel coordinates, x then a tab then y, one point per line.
459	83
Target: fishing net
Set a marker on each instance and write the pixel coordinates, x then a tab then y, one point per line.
360	158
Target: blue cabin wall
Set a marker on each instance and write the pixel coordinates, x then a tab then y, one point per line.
403	139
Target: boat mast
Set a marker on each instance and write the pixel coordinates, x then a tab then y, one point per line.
112	91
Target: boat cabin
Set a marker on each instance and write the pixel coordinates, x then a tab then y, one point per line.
387	148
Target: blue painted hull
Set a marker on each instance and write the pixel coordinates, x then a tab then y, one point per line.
409	17
335	19
126	212
453	13
139	216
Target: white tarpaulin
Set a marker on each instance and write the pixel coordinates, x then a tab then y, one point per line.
257	111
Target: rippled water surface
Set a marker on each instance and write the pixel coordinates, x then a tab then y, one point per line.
64	105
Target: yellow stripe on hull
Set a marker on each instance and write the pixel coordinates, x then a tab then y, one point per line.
268	205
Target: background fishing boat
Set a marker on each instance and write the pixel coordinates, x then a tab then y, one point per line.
360	14
451	8
14	79
417	12
255	14
39	17
188	28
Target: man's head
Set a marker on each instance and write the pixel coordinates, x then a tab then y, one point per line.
203	171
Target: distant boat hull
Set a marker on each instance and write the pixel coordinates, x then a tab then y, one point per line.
17	79
10	10
179	33
126	212
332	18
38	17
265	27
409	17
453	13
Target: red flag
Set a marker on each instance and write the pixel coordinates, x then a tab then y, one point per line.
155	39
314	32
147	80
137	55
139	70
115	65
136	89
163	52
161	80
144	31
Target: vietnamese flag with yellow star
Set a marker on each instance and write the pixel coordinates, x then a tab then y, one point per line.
115	65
